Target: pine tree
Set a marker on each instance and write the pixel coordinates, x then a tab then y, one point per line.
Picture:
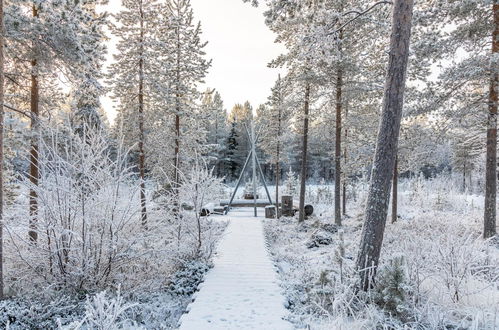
467	86
185	67
133	76
230	160
2	33
54	45
215	116
241	116
275	118
386	146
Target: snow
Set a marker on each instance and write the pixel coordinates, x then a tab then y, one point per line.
242	290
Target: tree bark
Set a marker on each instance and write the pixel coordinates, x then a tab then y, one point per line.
176	160
1	143
395	190
489	228
464	177
277	168
344	209
141	124
303	175
35	131
337	154
386	145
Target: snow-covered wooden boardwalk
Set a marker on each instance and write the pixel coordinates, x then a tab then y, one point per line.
242	290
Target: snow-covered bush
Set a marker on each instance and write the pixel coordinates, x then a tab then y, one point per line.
187	279
392	288
91	238
103	312
89	234
449	276
291	183
195	234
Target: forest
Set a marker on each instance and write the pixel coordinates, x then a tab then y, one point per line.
380	130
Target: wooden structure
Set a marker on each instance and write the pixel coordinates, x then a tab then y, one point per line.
256	167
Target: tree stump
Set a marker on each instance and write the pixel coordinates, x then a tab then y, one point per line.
287	205
270	212
309	210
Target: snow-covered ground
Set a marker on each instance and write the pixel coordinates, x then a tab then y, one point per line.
436	270
242	290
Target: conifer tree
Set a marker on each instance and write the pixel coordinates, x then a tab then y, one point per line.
386	145
276	119
55	45
1	143
185	67
133	76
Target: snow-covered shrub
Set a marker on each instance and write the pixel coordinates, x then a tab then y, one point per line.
23	313
88	221
324	194
449	277
187	279
319	238
392	288
198	187
291	183
103	312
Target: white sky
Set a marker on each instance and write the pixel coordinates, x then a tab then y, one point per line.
240	46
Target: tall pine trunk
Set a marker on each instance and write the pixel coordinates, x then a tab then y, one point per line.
386	145
176	160
344	208
303	175
141	123
395	190
35	132
1	143
277	167
337	153
489	227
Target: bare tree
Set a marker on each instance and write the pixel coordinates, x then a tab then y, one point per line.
489	228
386	145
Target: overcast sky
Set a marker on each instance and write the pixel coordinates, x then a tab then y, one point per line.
240	46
